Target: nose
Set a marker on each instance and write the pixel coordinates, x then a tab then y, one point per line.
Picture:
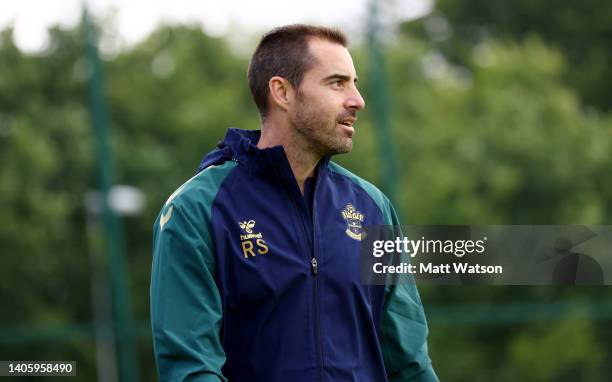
355	100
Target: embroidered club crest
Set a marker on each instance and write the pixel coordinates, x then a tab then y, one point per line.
353	219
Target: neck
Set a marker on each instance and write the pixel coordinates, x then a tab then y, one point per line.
302	160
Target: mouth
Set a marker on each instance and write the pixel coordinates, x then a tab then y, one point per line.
347	122
347	126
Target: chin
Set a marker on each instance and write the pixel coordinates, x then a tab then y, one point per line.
343	146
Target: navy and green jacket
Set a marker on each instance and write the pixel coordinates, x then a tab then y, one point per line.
252	281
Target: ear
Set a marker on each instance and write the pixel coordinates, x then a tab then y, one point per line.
281	92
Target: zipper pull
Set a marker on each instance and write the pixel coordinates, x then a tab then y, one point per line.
314	264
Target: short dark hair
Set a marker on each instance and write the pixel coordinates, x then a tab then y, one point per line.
284	52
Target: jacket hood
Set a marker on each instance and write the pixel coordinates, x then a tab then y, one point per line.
241	146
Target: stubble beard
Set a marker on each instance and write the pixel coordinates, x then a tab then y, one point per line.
320	134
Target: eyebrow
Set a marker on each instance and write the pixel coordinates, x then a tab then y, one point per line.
341	77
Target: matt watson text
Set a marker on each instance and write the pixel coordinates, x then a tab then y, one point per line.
437	269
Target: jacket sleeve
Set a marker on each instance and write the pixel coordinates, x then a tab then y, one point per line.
186	310
404	330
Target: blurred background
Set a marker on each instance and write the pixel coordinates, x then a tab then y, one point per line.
478	112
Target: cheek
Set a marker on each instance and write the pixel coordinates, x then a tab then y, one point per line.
323	106
329	107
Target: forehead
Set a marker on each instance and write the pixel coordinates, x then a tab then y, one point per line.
331	58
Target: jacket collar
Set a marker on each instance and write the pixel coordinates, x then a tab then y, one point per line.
241	145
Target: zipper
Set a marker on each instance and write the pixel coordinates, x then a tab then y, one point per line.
313	264
315	270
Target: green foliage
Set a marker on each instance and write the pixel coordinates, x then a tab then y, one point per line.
494	139
580	30
561	351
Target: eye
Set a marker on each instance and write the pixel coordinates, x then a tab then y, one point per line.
338	84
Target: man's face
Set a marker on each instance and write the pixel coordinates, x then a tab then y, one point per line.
327	100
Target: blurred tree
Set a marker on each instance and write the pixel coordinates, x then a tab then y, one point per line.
580	30
493	140
45	168
557	351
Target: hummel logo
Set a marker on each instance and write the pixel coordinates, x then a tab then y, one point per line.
164	218
247	226
247	240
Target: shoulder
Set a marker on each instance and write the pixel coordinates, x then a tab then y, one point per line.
191	203
374	192
203	187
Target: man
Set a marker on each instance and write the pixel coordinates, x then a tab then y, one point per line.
256	273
